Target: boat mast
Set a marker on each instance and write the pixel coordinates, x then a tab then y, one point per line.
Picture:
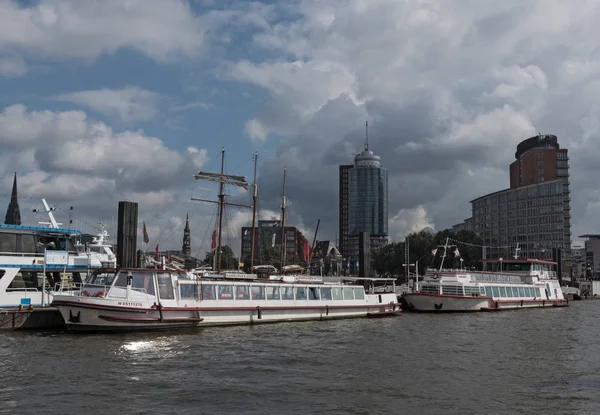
254	199
283	220
221	205
222	179
444	254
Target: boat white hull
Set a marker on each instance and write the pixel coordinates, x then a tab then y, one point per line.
451	303
95	316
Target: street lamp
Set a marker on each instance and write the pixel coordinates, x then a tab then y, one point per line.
461	264
501	264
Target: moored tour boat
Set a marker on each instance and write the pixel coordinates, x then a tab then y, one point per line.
154	299
515	283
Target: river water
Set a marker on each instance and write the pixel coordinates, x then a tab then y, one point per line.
528	362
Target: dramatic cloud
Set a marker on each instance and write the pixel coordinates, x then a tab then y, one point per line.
160	29
449	92
129	104
71	160
449	89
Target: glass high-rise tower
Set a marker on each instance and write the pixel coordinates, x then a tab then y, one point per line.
363	205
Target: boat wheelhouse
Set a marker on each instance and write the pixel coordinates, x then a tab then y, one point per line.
510	284
33	261
151	299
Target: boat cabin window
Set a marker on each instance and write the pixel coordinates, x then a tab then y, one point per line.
27	244
24	280
503	291
165	286
336	293
359	293
143	282
300	293
325	293
287	293
55	243
348	293
188	290
106	278
257	292
242	292
313	293
272	292
225	292
516	267
8	242
488	291
208	291
430	289
452	289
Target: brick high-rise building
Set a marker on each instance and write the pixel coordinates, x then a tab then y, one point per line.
268	233
539	159
535	212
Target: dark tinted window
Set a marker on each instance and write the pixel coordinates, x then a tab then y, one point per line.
165	286
8	242
28	244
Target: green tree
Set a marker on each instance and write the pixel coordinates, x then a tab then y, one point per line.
228	260
388	260
270	255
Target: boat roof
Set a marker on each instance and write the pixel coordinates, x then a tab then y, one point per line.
520	261
40	229
382	279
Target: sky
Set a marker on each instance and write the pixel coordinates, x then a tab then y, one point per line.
113	100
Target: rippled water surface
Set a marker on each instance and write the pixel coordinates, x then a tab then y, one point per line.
530	362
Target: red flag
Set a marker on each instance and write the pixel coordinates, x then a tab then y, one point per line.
213	244
157	252
305	250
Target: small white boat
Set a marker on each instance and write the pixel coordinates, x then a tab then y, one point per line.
154	299
514	284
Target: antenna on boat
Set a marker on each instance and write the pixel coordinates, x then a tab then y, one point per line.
366	135
222	179
445	246
283	206
53	223
517	249
254	199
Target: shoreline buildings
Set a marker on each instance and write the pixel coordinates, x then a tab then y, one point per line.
534	212
268	234
363	209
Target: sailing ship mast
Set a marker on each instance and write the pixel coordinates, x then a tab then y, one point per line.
222	179
283	206
254	199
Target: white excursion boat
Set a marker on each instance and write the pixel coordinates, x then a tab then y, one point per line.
98	253
155	299
34	262
512	284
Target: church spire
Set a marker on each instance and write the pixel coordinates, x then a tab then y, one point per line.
13	214
186	249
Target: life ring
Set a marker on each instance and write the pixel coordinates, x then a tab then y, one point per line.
99	294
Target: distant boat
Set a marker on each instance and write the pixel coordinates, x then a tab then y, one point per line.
514	284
